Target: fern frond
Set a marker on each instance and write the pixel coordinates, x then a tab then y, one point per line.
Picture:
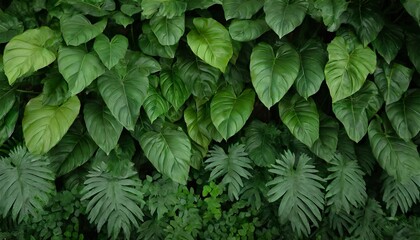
232	167
369	222
400	195
26	184
299	190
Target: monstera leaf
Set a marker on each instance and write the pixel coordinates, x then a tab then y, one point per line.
110	52
241	9
168	31
77	29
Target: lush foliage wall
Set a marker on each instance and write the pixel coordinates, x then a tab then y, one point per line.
209	119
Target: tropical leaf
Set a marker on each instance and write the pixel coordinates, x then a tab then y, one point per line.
413	8
326	145
283	16
44	126
168	31
146	63
301	118
122	19
413	49
247	30
229	111
28	52
233	167
55	91
77	29
241	9
331	12
8	123
26	184
10	26
389	41
149	44
273	73
165	8
7	98
369	221
210	41
154	104
299	189
348	66
173	88
110	52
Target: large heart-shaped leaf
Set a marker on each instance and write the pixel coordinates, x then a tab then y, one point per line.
102	126
413	49
241	9
413	8
348	66
7	98
78	68
8	123
399	158
301	118
326	145
166	8
392	80
210	41
354	111
283	16
404	115
389	41
44	126
247	30
273	73
77	29
169	151
10	26
311	72
28	52
168	31
124	94
229	112
110	52
150	45
331	11
173	88
155	105
55	90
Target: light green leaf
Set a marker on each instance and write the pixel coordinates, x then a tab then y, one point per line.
404	115
400	195
301	118
355	111
331	12
173	89
10	26
104	129
241	9
130	9
326	145
399	158
347	68
78	68
77	29
110	52
149	44
229	112
7	98
28	52
8	123
211	42
154	104
413	49
168	31
169	151
165	8
311	72
389	41
273	73
44	126
247	30
392	80
283	16
413	8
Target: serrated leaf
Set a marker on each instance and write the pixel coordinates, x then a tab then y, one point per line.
104	129
355	111
413	49
7	98
77	29
326	145
150	45
400	195
110	52
8	123
154	104
168	31
331	12
413	8
78	68
347	68
301	118
229	112
210	41
247	30
283	16
166	8
124	94
389	41
273	73
10	26
28	52
173	89
44	126
241	9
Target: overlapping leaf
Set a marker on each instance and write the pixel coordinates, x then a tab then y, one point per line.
241	9
173	88
326	145
331	12
389	41
168	31
110	52
400	195
150	45
77	29
247	30
155	104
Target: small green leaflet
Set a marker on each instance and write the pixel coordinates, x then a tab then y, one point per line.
77	29
247	30
149	44
173	88
154	104
110	52
168	31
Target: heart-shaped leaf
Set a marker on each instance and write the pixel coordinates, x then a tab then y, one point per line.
55	90
331	12
173	89
77	29
110	52
8	123
247	30
10	26
7	98
168	31
155	105
326	145
413	8
389	41
166	8
241	9
149	44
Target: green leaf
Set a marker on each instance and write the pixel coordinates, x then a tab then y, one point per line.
77	29
7	98
347	68
326	145
397	157
404	115
146	63
169	151
110	52
44	126
299	189
150	45
165	8
331	12
233	167
247	30
229	112
168	31
241	9
389	41
392	80
273	73
55	91
92	7
301	118
173	89
104	129
413	8
369	222
283	16
122	19
154	104
10	26
78	68
355	111
201	4
210	41
347	188
413	50
313	58
124	94
8	123
27	184
28	52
